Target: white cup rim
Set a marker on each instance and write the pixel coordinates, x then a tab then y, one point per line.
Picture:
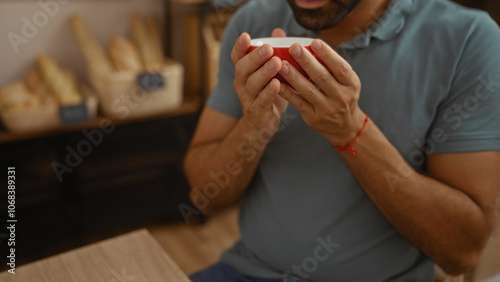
281	42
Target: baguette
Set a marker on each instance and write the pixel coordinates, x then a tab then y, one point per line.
38	86
142	39
124	54
34	80
154	33
60	82
93	53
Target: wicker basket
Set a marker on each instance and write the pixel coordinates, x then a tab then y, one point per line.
45	117
121	97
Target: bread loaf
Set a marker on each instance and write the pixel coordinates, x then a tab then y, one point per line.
94	54
34	80
60	82
38	86
154	33
124	54
142	39
16	96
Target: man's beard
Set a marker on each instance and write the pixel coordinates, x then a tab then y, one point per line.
324	17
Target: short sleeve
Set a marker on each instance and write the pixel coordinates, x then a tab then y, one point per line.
470	115
223	98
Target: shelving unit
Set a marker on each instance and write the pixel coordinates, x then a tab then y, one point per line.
132	178
190	105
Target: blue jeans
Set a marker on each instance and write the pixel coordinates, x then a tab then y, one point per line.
221	272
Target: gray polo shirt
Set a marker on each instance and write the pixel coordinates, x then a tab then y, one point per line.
430	73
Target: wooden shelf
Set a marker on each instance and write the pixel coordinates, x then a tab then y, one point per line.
190	105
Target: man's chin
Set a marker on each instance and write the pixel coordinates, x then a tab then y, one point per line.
314	25
319	15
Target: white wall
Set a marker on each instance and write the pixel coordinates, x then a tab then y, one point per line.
54	36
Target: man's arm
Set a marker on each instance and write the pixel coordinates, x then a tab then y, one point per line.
216	165
224	152
448	215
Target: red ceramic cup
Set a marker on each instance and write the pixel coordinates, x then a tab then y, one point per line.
281	47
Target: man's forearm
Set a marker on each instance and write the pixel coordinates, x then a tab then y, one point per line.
219	172
441	221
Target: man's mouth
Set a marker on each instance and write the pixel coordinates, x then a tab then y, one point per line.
310	4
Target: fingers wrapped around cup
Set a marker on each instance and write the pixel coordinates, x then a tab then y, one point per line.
281	49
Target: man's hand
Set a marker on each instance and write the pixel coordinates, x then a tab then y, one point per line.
331	106
255	85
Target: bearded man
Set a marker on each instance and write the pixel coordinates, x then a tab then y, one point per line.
382	164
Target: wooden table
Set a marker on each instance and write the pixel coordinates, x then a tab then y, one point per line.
135	256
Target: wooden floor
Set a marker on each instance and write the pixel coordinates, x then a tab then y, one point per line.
196	246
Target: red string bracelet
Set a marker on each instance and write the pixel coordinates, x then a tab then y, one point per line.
349	145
